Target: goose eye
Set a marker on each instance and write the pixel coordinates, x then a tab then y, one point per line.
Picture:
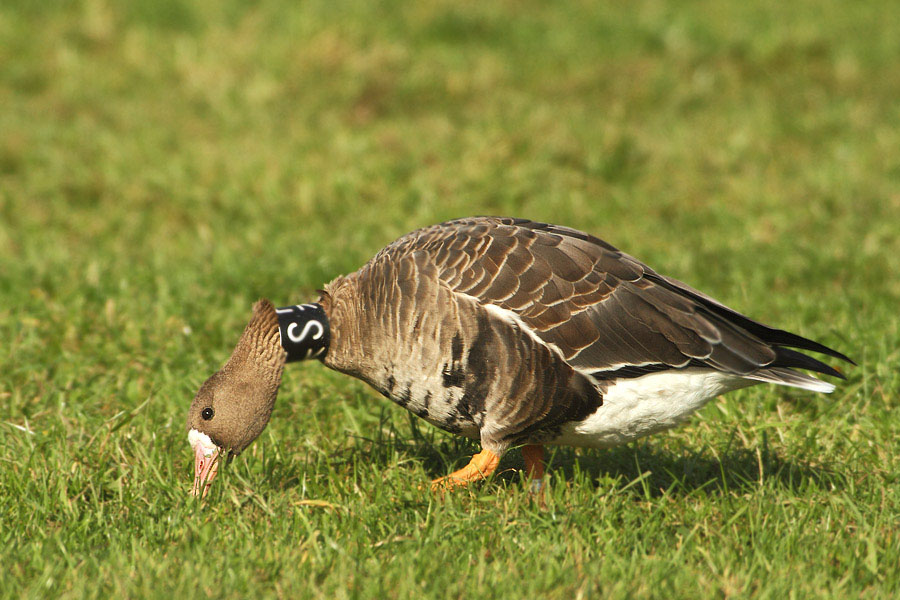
207	413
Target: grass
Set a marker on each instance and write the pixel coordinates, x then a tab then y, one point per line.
163	165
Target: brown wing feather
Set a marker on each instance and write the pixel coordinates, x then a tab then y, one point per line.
603	309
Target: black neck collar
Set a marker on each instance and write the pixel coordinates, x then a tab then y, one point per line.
304	331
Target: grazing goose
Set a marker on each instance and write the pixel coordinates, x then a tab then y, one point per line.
509	332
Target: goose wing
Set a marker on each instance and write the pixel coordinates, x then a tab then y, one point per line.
604	311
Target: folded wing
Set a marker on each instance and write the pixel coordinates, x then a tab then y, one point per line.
605	312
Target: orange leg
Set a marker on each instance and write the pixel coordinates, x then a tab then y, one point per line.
482	465
534	465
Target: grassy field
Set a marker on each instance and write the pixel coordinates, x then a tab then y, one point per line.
164	164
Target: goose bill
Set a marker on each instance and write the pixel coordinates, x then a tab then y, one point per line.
206	462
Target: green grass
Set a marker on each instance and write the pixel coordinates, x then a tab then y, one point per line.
165	164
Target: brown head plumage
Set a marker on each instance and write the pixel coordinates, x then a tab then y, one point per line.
233	406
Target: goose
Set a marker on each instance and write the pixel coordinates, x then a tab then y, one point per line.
510	332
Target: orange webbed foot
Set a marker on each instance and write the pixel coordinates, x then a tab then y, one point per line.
481	466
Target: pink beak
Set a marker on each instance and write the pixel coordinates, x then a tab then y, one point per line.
205	469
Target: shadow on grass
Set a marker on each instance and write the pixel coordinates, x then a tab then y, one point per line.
662	470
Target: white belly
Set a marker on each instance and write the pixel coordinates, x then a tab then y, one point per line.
633	408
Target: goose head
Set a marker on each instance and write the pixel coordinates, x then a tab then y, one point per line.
234	405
